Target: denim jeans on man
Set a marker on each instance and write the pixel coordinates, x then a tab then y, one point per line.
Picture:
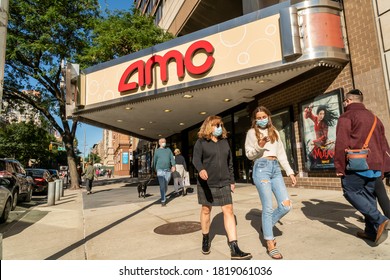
163	176
359	191
268	179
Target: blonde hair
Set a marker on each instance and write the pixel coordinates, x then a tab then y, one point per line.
176	152
206	130
272	134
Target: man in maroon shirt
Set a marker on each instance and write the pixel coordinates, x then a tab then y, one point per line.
352	130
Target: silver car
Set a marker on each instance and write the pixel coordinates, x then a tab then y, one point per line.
5	200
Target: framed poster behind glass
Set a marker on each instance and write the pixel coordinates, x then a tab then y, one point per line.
319	118
282	121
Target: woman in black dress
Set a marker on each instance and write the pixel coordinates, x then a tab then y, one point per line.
213	160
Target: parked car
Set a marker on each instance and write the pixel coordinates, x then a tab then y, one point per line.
20	183
41	179
54	174
5	200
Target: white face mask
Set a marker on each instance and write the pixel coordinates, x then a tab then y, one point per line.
163	145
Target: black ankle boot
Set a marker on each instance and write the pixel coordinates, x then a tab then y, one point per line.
206	244
236	253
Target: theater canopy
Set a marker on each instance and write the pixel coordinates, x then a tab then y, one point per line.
160	91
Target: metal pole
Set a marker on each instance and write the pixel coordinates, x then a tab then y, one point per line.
3	44
62	190
50	193
58	191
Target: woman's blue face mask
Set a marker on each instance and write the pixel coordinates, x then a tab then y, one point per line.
262	122
217	131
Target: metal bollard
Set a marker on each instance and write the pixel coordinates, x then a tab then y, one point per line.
58	191
50	193
62	187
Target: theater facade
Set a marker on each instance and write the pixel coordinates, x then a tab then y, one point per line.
287	57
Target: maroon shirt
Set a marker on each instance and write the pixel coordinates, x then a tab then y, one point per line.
352	130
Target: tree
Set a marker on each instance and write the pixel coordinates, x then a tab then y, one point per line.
25	141
93	158
43	33
120	33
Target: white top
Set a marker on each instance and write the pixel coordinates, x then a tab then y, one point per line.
276	149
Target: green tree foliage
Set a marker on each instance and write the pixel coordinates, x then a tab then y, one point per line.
25	141
43	33
121	33
93	158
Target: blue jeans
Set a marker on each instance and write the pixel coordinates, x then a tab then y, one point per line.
268	179
359	191
163	176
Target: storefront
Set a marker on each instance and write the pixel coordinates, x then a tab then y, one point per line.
282	57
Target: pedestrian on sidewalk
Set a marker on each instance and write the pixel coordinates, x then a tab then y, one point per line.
212	159
164	164
353	129
89	176
181	168
264	146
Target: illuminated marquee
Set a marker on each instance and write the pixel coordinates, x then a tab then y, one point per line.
145	74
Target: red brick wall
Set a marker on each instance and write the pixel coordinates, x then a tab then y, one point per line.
364	72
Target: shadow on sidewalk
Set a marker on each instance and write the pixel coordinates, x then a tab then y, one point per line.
89	237
333	214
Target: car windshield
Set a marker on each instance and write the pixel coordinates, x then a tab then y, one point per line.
36	172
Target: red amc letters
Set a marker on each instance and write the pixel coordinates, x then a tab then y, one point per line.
145	74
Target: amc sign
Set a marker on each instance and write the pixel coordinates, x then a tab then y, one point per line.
145	74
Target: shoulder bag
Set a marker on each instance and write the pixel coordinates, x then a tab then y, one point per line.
357	158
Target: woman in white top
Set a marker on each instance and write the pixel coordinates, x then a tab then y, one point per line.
264	146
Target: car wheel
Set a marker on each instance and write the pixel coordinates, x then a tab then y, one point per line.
14	199
7	209
28	196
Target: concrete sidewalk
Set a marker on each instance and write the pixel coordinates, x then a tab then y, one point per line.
114	224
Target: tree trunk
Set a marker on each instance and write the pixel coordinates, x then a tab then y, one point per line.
72	166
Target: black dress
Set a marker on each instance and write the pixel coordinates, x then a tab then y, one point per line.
216	159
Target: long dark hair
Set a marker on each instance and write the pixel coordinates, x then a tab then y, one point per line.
330	116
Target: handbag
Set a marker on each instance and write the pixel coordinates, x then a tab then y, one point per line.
357	158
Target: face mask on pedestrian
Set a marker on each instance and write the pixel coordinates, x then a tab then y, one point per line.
217	131
163	145
262	123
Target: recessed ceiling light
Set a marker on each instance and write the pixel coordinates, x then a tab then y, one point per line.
119	120
203	113
181	123
245	90
188	96
129	108
227	100
262	81
151	122
142	128
159	135
167	110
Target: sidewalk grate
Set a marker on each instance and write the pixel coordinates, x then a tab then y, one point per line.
178	228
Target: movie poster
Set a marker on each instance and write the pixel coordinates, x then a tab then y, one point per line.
319	118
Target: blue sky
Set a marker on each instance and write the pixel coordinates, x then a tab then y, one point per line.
88	135
116	4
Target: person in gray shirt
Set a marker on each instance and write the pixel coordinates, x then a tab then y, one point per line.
164	164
